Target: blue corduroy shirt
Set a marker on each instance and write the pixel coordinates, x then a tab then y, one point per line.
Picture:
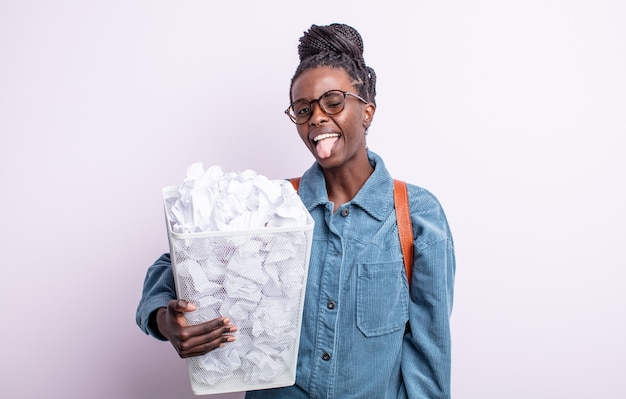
354	341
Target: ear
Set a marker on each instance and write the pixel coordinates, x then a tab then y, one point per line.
368	114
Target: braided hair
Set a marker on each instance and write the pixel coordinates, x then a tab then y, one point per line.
337	46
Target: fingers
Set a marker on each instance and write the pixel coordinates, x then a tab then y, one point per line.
197	339
180	306
203	338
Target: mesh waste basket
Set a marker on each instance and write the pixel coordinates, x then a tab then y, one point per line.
257	278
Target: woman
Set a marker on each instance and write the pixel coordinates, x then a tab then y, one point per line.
364	334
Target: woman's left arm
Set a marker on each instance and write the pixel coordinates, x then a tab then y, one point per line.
426	352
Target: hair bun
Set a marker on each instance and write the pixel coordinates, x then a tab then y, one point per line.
333	38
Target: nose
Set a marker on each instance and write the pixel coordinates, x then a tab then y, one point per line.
317	113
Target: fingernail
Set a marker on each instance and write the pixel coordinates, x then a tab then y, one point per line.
185	304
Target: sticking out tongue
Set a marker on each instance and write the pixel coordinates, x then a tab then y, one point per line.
325	146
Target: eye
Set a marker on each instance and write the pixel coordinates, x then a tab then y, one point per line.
333	101
302	108
332	105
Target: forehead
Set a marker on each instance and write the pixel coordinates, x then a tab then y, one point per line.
312	83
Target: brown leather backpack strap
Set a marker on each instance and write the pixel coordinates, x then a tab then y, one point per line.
405	227
295	181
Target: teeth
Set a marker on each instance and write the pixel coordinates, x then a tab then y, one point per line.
324	136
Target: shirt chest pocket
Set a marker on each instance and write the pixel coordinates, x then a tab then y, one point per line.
381	298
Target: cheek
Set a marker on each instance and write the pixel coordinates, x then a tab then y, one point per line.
353	127
303	134
352	121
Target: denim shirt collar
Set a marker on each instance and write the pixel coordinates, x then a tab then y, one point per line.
375	197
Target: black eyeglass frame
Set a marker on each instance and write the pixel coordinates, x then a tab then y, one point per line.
345	93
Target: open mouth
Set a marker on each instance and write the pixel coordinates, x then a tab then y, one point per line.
324	143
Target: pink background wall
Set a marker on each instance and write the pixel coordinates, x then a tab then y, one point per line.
512	113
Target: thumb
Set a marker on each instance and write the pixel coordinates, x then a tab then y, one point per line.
184	306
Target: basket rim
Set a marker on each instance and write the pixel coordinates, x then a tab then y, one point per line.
172	191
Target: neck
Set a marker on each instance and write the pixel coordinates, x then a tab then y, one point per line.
342	184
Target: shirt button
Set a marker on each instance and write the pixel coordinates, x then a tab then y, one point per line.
330	305
345	212
326	356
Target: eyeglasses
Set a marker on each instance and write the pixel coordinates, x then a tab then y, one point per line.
332	102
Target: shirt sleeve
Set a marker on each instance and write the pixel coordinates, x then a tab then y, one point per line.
426	352
158	290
